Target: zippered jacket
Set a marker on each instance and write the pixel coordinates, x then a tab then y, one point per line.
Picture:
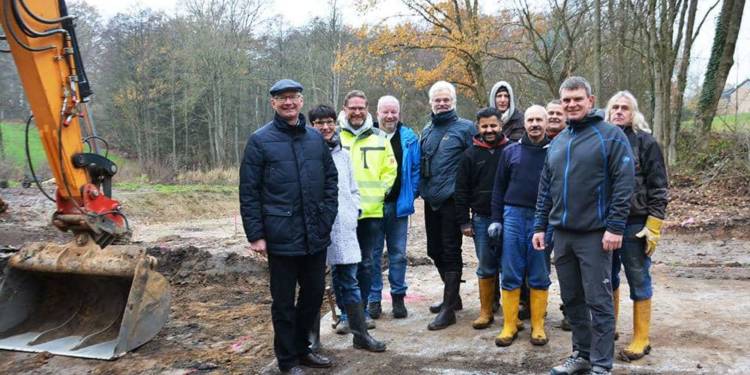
408	171
476	176
588	178
443	143
650	197
374	164
288	189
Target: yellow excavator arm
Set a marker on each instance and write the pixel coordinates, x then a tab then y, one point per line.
78	299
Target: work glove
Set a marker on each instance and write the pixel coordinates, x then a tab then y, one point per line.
652	232
495	230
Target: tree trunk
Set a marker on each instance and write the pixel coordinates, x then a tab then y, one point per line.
721	61
598	48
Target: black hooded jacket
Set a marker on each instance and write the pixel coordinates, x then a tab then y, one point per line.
650	196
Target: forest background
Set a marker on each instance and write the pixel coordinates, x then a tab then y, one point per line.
178	94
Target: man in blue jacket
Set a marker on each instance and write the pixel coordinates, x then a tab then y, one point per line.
288	201
442	144
584	194
399	204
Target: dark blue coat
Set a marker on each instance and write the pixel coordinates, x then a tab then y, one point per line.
288	189
588	178
517	176
442	145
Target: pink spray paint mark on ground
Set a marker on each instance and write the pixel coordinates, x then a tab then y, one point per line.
410	297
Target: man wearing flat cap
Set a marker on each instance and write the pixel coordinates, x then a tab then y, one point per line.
288	202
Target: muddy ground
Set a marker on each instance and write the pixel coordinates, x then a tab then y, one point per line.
220	317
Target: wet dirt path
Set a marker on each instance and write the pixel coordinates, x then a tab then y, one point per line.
220	318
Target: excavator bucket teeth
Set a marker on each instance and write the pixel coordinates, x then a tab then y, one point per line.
81	301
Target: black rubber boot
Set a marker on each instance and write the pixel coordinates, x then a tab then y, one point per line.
437	306
447	315
314	336
399	309
358	327
374	309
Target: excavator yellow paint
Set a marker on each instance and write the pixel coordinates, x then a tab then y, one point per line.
75	299
45	78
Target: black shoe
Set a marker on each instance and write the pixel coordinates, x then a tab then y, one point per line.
358	327
315	360
374	309
447	316
399	309
296	370
314	335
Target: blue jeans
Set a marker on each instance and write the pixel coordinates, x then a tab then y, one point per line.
394	233
345	286
486	248
520	260
632	255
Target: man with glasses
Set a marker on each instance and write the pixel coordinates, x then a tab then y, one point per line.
443	142
343	253
288	201
375	170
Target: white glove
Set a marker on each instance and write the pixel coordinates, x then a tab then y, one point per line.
495	230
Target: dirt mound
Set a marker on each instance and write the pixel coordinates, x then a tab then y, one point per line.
191	264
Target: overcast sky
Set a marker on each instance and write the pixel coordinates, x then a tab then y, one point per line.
299	12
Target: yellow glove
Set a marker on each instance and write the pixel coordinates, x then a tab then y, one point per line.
652	232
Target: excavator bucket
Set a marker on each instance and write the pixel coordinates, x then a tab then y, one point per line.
81	300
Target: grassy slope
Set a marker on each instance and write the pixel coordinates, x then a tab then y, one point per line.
725	123
15	148
13	144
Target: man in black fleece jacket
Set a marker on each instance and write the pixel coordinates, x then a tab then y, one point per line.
476	175
584	193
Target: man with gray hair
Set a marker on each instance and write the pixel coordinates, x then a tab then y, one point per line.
584	194
443	142
399	204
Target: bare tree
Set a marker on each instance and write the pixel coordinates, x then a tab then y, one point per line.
721	61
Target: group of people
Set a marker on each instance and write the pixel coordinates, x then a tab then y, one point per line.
569	184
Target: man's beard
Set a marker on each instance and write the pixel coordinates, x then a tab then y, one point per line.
484	138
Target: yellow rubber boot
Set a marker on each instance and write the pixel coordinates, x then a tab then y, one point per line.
538	301
511	298
640	345
486	294
616	301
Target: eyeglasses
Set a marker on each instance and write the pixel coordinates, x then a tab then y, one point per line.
284	98
322	123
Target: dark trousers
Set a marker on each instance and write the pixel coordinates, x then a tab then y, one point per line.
369	233
584	270
443	237
292	322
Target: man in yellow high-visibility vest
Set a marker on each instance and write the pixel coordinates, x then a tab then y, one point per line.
375	169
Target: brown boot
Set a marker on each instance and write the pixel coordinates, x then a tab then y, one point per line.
486	293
